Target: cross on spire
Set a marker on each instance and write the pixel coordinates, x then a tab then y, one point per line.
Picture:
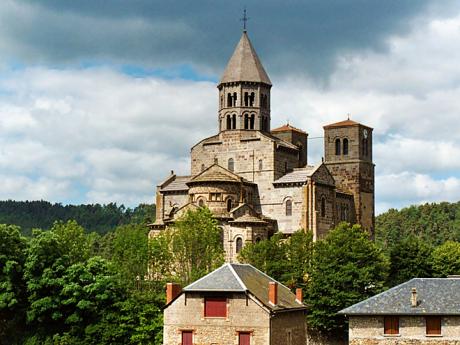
244	19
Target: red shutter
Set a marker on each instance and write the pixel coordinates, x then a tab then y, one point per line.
433	325
391	325
187	338
244	338
215	307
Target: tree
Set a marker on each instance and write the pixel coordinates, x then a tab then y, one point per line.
410	258
347	268
446	259
189	249
12	287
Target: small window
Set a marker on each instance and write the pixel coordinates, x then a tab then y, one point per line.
234	122
391	325
288	338
288	207
258	239
187	338
215	307
239	244
202	167
323	206
231	164
433	325
261	164
216	160
229	204
201	203
345	146
285	167
229	100
365	147
337	147
244	338
229	122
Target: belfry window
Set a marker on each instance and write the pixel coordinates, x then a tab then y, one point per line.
246	99
288	207
229	100
234	121
251	99
231	164
239	244
246	121
365	147
251	121
345	146
337	147
229	122
234	99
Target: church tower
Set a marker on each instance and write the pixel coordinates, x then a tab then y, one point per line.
244	91
348	156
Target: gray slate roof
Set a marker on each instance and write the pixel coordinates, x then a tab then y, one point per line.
436	296
245	65
245	278
178	184
297	175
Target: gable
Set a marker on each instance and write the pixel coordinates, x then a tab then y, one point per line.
216	173
323	176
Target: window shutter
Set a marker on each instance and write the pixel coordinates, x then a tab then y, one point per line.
433	325
391	325
215	307
187	338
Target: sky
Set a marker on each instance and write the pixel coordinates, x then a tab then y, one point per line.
99	99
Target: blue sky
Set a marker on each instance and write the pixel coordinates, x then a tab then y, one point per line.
99	100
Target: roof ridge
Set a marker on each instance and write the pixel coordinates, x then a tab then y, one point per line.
237	276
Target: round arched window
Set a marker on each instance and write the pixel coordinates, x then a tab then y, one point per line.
229	204
201	203
239	244
231	164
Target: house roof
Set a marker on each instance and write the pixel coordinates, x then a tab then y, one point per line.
345	123
178	183
245	65
297	175
245	278
288	127
436	296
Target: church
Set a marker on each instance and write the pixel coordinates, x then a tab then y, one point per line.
257	181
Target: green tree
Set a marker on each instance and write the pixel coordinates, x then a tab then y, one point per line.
12	287
446	259
347	268
189	249
409	258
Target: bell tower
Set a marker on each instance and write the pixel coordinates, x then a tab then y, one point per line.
244	91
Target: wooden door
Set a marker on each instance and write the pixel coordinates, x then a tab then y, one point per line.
187	338
244	338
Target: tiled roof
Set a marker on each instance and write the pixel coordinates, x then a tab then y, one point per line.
435	296
297	175
288	127
342	124
245	278
177	184
217	173
245	65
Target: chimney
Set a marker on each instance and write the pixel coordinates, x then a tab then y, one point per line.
413	299
273	293
299	295
172	291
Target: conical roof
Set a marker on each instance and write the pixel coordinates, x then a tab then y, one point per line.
244	65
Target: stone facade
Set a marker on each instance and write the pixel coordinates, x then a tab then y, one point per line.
369	330
279	190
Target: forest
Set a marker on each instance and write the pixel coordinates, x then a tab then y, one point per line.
67	284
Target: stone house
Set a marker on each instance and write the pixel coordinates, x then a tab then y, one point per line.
257	180
234	305
419	311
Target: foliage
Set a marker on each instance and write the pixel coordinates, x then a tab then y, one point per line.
286	260
188	250
347	268
410	258
446	259
95	217
12	286
433	223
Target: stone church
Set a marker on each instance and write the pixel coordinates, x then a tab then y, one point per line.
257	181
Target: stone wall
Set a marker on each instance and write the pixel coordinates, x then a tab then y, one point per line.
243	315
288	328
366	330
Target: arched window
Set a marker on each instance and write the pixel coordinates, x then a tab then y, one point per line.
229	204
246	121
246	99
345	146
201	202
229	122
261	164
365	147
258	239
251	122
251	99
234	99
231	164
239	244
289	207
234	121
323	207
229	100
337	147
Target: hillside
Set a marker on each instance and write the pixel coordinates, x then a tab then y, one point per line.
93	217
434	223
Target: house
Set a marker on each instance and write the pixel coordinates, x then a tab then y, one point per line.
236	304
256	179
421	310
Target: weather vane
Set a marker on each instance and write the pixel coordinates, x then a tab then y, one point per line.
244	19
